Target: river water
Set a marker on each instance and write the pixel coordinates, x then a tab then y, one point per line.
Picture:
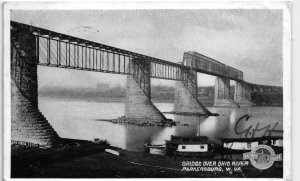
79	119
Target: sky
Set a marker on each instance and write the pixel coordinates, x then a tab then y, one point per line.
249	40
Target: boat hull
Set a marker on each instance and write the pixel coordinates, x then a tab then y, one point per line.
223	151
227	151
208	154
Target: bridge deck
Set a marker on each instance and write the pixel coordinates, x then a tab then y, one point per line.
207	65
64	51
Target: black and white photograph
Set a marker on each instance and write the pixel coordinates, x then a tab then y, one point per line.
147	90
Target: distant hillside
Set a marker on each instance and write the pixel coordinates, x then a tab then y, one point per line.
159	93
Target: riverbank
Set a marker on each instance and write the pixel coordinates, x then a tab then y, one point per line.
100	99
89	160
153	99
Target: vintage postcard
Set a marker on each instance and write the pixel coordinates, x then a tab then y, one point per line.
147	90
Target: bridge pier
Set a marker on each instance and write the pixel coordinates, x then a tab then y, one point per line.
242	94
186	96
138	105
28	125
222	91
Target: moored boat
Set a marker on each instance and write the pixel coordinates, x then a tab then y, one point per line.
190	146
241	145
237	145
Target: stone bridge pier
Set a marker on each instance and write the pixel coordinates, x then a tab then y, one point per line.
186	96
138	105
222	91
28	125
242	94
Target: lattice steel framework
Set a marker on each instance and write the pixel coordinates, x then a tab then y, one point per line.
64	51
210	66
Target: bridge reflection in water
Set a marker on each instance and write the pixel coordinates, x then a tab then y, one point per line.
83	124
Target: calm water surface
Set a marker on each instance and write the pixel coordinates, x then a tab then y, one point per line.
78	119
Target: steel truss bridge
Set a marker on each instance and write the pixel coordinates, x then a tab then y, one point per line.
64	51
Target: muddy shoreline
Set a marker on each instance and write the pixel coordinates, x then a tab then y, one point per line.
83	159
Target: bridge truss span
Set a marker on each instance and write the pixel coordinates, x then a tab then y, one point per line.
64	51
32	46
204	64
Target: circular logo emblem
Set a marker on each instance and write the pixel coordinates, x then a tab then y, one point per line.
262	157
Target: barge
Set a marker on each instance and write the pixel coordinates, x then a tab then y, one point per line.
198	146
242	145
